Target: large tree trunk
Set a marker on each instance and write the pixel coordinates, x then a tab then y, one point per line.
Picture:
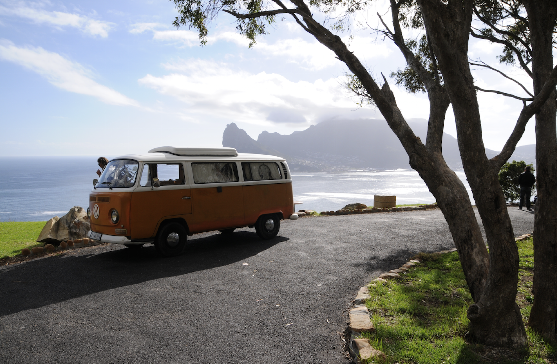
542	16
452	198
495	318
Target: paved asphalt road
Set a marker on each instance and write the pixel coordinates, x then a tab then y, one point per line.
229	299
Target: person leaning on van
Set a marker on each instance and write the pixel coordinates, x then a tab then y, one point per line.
102	161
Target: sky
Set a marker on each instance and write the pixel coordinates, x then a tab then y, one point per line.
108	78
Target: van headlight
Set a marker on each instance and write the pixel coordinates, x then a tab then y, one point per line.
114	216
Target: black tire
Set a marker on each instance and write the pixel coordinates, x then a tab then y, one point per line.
134	246
171	239
227	231
267	226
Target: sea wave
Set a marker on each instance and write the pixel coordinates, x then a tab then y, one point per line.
48	213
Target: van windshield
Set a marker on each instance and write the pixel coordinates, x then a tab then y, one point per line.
119	173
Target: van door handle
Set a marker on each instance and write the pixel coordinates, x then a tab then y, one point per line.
186	198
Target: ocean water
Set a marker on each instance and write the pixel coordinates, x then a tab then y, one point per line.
39	188
332	191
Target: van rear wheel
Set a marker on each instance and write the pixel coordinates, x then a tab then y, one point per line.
267	226
171	239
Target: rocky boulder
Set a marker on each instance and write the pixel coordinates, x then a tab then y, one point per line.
354	206
74	225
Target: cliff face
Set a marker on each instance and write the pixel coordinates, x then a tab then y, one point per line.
337	145
235	137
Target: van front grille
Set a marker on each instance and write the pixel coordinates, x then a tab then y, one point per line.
99	199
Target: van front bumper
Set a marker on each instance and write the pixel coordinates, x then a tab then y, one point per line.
113	239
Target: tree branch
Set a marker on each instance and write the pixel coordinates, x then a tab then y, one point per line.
505	94
438	98
261	13
502	32
483	64
279	3
521	60
525	115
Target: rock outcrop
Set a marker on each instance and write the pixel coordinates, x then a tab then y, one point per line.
235	137
74	225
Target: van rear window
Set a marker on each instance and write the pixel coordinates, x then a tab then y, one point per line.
215	172
261	171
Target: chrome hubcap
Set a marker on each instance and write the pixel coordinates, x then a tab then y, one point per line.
270	224
173	239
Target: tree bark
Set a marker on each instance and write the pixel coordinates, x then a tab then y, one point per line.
542	15
495	318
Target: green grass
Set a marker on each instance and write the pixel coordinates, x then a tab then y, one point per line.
15	236
421	317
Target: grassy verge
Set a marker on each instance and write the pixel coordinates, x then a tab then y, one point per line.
15	236
421	316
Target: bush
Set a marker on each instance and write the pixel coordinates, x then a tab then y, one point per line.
508	179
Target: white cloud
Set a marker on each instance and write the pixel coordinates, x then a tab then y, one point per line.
187	37
57	19
139	28
61	72
310	55
208	87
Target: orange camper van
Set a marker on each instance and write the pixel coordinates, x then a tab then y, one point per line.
169	193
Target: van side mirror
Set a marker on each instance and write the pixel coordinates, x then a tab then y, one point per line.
156	182
95	181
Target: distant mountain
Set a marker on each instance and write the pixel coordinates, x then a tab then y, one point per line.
337	145
526	153
238	138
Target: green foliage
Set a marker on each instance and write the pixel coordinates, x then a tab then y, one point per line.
197	14
15	236
508	179
253	16
410	16
353	84
509	18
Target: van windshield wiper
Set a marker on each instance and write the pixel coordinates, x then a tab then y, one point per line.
107	183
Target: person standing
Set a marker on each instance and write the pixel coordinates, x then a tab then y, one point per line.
526	180
102	161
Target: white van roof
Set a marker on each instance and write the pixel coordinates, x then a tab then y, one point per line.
165	154
209	152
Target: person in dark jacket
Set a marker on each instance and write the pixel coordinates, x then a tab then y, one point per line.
526	180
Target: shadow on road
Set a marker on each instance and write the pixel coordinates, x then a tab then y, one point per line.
41	282
376	265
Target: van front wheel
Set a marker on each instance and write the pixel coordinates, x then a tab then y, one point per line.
267	226
171	239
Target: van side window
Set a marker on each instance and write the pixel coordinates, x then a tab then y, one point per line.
261	171
215	172
168	174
